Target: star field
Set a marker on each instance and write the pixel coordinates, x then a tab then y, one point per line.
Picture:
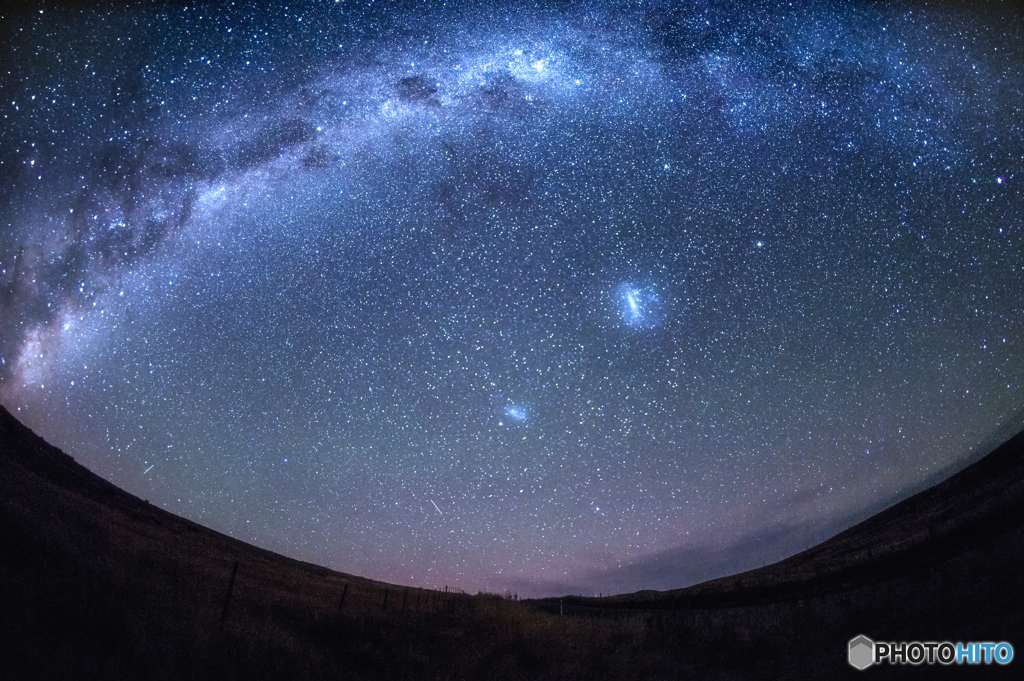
600	297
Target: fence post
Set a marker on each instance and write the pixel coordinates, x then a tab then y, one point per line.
227	600
385	606
342	601
405	597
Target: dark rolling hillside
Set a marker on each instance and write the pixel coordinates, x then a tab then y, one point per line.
96	580
96	583
981	505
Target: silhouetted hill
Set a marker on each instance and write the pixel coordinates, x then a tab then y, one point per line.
48	478
96	583
974	507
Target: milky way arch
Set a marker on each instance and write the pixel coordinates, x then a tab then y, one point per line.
611	297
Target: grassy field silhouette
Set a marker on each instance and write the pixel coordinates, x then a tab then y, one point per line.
96	583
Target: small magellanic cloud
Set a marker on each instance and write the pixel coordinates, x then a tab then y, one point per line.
516	412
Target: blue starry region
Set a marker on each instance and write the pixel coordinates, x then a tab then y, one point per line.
552	298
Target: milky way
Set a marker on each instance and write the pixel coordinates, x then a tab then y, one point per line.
580	297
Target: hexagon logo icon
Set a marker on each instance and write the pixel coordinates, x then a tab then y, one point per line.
862	652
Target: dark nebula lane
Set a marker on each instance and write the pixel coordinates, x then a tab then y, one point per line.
600	297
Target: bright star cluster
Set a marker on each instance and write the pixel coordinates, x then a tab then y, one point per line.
552	298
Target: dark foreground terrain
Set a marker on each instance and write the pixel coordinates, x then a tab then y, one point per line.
96	583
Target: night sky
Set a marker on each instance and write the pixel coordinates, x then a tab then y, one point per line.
557	298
